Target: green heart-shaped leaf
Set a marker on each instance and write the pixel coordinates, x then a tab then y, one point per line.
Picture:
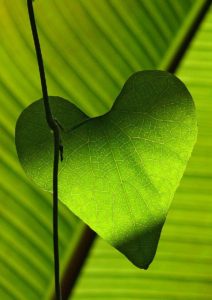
120	170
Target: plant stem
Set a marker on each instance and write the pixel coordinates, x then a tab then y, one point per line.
53	125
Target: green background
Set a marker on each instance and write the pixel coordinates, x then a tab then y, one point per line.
90	47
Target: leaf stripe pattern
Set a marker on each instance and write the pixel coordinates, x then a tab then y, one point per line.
80	69
182	267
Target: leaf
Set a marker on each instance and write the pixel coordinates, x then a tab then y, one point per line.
182	266
120	169
77	67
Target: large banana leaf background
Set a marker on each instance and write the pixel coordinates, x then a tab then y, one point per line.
90	48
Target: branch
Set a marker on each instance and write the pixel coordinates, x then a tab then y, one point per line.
53	125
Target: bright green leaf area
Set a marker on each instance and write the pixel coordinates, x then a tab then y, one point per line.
182	266
132	35
120	170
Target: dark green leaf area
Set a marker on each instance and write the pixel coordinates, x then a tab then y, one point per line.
120	170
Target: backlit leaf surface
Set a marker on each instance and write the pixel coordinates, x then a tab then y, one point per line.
120	170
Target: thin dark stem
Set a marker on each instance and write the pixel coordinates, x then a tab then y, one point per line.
56	132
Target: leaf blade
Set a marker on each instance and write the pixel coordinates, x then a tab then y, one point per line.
182	266
114	171
18	90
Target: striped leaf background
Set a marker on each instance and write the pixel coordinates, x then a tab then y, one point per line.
90	47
